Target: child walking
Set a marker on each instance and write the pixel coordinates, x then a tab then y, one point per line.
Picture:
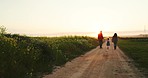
108	43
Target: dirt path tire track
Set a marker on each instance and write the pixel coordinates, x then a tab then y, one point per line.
98	63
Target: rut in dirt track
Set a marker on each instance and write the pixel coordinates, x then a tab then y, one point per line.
99	63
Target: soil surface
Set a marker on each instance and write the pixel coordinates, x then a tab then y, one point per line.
98	63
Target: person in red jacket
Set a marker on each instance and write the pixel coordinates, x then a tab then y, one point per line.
100	38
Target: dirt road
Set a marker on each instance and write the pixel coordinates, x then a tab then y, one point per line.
98	63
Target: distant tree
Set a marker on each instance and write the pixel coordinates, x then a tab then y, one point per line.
2	30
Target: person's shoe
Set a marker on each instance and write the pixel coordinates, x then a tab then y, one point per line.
114	47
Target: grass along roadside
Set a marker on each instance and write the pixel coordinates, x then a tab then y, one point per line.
136	49
30	57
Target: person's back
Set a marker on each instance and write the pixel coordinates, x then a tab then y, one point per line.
114	39
108	43
100	36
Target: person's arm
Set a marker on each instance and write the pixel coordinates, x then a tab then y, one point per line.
112	39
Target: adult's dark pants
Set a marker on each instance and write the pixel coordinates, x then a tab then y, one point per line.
100	43
115	45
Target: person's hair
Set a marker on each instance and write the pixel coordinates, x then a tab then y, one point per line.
115	35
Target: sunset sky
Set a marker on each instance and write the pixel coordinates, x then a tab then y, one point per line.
55	16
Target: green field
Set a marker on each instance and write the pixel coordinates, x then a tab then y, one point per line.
31	57
137	49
